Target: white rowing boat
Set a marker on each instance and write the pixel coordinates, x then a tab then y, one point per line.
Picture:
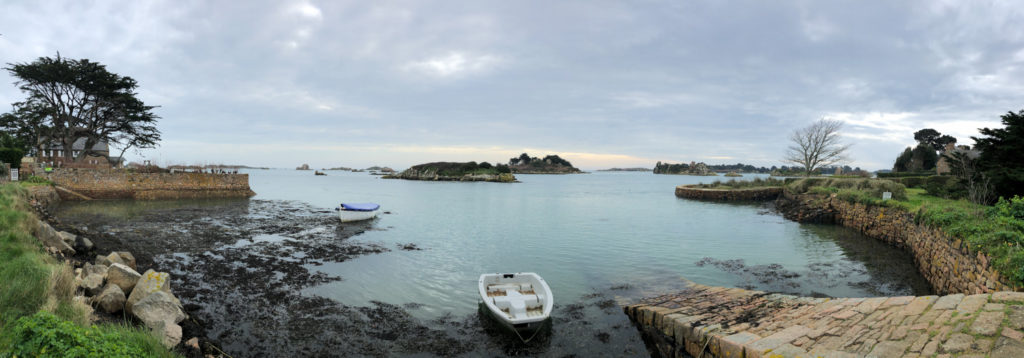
357	211
520	301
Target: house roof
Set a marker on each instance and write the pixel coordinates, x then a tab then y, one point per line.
80	144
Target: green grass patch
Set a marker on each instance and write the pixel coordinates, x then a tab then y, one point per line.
46	335
743	184
38	316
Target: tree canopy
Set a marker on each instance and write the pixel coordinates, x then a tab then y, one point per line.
933	138
69	100
1002	154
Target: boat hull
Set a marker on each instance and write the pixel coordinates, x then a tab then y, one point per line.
352	215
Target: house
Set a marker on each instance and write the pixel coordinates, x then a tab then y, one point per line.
53	155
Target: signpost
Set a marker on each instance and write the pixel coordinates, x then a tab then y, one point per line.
14	174
886	195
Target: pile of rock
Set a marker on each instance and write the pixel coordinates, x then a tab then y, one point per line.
114	285
61	242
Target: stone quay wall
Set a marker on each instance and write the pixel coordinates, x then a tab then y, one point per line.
946	262
751	194
83	184
705	321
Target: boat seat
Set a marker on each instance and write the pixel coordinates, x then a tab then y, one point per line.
516	303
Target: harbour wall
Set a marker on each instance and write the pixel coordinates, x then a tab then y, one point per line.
85	184
948	263
751	194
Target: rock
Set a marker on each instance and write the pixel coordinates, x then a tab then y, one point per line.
169	333
122	276
128	259
49	237
158	307
111	299
193	343
92	284
67	237
83	244
102	260
90	269
114	258
150	282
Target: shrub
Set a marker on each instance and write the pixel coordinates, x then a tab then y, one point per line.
944	187
866	188
905	174
45	335
12	156
1013	208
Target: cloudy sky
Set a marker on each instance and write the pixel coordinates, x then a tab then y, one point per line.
360	83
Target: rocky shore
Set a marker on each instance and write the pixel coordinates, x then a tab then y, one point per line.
112	285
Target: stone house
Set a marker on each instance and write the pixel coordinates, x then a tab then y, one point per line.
53	155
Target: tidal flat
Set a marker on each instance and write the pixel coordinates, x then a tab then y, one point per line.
242	269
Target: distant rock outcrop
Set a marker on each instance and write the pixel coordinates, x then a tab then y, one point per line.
303	167
551	164
452	171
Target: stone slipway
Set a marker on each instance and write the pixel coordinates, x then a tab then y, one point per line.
734	323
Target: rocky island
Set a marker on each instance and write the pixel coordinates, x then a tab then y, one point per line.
552	164
699	169
453	171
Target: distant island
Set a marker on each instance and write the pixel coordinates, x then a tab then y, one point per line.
625	170
699	169
452	171
552	164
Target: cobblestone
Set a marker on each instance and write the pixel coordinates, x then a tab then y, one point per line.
757	324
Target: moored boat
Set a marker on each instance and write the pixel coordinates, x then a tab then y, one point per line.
520	301
357	211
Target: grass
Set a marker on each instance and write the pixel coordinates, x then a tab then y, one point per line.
743	184
997	231
38	313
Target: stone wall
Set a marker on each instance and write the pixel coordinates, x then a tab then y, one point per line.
946	262
78	184
752	194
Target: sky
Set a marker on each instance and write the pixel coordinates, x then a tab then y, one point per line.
600	83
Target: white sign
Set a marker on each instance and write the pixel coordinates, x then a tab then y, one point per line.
886	195
14	174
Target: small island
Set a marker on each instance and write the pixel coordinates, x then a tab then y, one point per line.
452	171
699	169
625	170
551	164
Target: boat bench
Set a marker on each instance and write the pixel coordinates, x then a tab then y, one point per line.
516	303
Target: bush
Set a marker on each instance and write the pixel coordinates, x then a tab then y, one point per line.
866	188
944	187
45	335
905	174
1013	208
12	156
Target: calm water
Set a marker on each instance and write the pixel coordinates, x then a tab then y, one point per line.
582	233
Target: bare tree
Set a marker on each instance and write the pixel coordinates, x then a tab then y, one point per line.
817	145
964	165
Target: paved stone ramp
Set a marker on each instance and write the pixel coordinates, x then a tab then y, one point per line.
734	323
